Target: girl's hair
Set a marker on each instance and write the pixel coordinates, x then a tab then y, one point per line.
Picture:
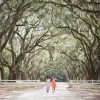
48	77
52	78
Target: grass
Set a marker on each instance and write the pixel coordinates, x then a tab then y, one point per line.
6	89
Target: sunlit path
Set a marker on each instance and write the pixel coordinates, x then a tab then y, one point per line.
61	93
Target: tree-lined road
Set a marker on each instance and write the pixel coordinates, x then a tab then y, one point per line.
61	93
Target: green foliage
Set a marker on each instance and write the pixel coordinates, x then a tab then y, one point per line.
6	72
56	37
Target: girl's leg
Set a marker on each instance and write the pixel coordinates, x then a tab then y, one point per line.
53	90
47	89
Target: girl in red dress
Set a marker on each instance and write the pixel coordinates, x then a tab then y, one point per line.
53	84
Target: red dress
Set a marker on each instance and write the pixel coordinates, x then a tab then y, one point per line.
53	83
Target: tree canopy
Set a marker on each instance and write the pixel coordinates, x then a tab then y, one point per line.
50	37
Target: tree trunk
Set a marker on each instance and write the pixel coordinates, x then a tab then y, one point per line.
99	61
2	73
24	75
18	74
12	74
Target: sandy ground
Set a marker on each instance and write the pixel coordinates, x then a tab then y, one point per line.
63	92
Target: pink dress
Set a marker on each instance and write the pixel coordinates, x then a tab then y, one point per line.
53	84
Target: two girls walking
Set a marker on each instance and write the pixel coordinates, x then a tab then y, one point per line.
52	83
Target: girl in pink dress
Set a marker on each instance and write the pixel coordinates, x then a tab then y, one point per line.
53	84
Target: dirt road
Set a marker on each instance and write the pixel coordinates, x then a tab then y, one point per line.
62	93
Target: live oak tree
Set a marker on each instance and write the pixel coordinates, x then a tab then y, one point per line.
83	24
28	27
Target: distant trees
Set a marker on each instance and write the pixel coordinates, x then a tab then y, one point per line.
81	19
